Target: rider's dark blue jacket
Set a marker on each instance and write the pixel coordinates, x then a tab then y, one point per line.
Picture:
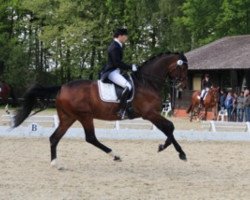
115	55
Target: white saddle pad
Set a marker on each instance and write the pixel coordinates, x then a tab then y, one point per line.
108	94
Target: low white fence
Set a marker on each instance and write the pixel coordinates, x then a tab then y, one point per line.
53	121
217	126
36	119
128	129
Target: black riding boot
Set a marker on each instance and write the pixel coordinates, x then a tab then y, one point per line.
123	103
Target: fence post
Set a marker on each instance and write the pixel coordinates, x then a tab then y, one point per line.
248	127
213	126
56	121
11	120
117	125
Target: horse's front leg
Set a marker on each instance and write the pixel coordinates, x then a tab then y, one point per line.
167	127
89	129
205	115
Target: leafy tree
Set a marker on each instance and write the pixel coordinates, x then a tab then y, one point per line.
234	18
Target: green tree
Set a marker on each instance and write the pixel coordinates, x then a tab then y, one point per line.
234	18
199	19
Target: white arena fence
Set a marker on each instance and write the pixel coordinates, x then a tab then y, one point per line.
44	126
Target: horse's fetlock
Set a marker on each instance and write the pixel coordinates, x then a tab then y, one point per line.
90	140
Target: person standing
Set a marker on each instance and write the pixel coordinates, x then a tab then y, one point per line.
247	105
222	100
229	105
234	111
240	107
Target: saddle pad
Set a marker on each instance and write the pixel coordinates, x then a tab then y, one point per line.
107	92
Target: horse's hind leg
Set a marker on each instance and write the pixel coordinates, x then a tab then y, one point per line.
65	123
89	129
167	127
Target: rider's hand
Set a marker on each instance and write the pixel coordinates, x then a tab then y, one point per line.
134	68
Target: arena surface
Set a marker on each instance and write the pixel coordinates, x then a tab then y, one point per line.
215	170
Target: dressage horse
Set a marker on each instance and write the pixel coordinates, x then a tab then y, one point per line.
210	102
80	100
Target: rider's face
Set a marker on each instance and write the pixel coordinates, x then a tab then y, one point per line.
123	38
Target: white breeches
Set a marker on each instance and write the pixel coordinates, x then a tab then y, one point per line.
204	92
118	79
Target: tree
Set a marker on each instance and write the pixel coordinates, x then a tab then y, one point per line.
234	18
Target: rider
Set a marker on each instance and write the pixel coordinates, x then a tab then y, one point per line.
205	86
115	66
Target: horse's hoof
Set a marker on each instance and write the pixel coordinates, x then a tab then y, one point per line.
54	164
117	159
161	148
183	157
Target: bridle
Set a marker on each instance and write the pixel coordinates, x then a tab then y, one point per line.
176	82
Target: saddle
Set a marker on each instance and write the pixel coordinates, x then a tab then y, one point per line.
110	92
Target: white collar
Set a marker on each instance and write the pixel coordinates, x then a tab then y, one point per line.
115	39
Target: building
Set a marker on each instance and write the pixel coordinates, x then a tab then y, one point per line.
226	60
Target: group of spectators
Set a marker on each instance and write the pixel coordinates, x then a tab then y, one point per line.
236	105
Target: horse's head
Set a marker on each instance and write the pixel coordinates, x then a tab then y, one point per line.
157	68
214	91
178	70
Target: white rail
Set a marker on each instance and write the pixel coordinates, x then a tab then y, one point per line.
37	119
215	126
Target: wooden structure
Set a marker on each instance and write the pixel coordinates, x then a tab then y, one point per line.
226	60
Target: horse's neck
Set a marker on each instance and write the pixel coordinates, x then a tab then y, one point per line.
150	80
211	97
157	70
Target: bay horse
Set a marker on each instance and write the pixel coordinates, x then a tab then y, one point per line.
80	100
210	102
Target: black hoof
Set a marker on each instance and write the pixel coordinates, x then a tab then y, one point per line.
182	156
117	159
161	148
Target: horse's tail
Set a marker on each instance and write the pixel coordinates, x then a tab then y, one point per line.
189	109
31	99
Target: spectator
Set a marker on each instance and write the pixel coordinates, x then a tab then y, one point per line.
247	105
240	107
229	105
222	100
234	111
